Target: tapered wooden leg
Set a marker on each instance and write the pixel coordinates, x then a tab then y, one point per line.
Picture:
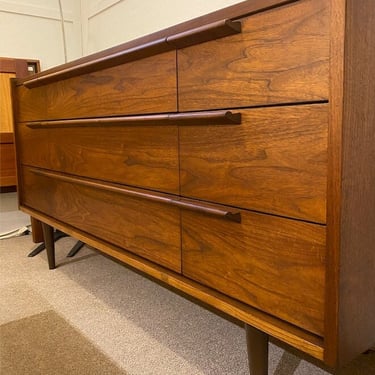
36	230
49	243
257	350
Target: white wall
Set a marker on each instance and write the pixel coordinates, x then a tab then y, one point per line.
106	23
32	29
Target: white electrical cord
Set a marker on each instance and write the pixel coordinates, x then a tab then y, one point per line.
63	31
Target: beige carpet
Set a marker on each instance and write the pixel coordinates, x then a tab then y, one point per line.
46	343
94	316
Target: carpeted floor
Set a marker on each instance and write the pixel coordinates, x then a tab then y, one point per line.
45	343
94	316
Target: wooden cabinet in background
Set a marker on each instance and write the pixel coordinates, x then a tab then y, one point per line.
10	68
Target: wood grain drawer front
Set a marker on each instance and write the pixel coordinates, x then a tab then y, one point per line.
281	56
275	161
274	264
143	86
145	156
144	227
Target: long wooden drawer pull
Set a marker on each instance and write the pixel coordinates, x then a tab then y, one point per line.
205	33
232	215
198	35
119	57
206	118
99	121
184	203
188	118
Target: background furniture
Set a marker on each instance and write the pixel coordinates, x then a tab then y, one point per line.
230	157
10	68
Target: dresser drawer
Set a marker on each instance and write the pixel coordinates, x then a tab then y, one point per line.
143	86
129	153
281	56
274	161
274	264
142	226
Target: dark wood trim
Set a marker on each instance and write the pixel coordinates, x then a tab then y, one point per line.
8	189
37	230
205	33
210	209
49	243
207	118
349	324
102	62
19	67
100	121
242	9
13	83
257	350
6	137
334	181
189	118
189	204
357	236
193	36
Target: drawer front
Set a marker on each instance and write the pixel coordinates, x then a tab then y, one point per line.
273	264
281	56
143	86
274	161
147	228
144	156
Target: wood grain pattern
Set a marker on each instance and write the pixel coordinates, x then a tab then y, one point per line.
31	104
150	48
186	118
145	156
281	56
149	229
331	343
114	91
244	8
275	161
203	207
301	73
279	329
205	33
6	117
138	52
273	264
357	233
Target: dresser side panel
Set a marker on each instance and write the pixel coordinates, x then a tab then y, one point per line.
357	259
337	34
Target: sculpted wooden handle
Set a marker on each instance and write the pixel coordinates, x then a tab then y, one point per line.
205	33
184	203
188	118
197	35
117	58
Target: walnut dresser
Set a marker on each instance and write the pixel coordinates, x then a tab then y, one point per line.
232	158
